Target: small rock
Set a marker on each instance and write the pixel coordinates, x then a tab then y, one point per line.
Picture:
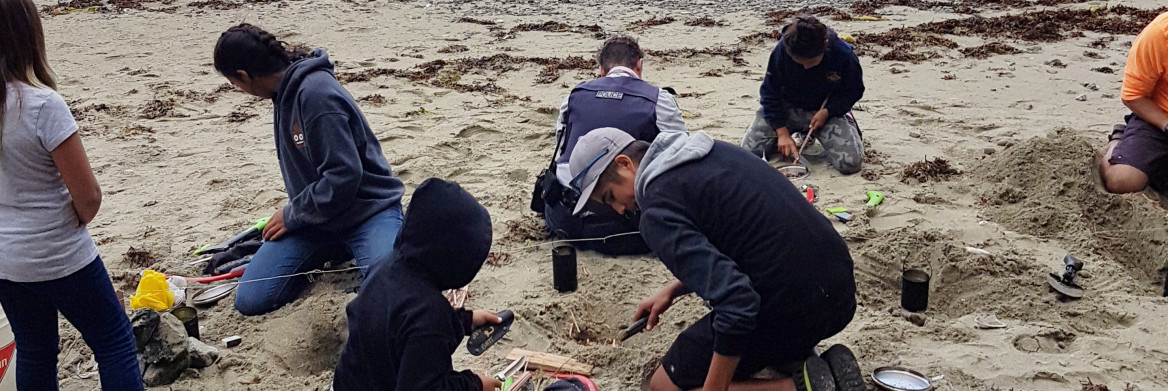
166	371
168	343
1056	63
913	102
914	134
989	151
145	322
1091	86
1081	97
202	355
916	319
1003	142
1034	49
1107	70
251	377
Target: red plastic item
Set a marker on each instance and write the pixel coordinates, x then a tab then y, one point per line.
221	277
810	194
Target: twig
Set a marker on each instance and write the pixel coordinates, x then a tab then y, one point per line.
573	313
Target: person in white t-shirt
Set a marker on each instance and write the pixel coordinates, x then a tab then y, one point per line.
48	193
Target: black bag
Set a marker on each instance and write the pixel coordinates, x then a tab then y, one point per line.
567	385
548	189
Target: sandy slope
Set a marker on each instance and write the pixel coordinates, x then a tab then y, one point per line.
199	163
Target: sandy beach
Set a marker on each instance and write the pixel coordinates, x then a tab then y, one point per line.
1014	95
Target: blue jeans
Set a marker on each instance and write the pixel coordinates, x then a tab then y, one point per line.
87	300
307	249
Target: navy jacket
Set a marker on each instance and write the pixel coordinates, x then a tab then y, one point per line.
334	172
739	235
787	85
402	331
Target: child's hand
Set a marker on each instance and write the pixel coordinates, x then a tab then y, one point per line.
482	317
819	119
653	306
275	228
786	144
490	383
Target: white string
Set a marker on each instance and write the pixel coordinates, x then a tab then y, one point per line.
513	249
362	267
955	243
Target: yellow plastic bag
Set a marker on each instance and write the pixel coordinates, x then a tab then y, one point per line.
153	292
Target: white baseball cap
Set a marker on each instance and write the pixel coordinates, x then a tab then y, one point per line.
591	156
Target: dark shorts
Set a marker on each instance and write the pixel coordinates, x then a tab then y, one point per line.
1144	147
688	361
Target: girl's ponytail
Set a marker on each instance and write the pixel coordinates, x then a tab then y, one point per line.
251	49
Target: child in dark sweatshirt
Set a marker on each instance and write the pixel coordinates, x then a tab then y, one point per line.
402	330
734	231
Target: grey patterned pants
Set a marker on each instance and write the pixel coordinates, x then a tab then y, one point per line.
840	138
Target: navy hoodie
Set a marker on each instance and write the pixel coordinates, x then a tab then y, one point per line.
332	164
733	230
787	85
402	331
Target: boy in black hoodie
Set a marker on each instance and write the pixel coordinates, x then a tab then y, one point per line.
402	331
739	235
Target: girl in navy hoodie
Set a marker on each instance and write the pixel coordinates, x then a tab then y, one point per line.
343	199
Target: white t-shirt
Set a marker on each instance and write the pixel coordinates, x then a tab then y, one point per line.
41	238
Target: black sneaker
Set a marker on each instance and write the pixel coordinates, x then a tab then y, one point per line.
844	368
813	375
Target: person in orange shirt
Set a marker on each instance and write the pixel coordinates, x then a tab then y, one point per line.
1137	152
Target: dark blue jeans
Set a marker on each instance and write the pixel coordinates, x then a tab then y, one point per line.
263	289
87	300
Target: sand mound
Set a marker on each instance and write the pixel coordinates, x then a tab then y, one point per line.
1048	187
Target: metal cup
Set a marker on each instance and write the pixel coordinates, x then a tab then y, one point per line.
914	290
190	319
564	269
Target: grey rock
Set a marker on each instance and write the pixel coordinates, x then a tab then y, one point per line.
916	319
169	341
202	355
1081	97
990	151
145	322
1091	86
166	371
1056	63
914	134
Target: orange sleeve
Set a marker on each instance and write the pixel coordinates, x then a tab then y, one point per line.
1145	63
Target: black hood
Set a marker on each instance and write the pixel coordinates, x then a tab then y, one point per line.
446	233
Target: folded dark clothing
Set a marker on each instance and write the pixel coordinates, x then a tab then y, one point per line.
235	253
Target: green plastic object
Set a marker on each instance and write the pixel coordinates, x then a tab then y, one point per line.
255	228
261	223
875	198
838	209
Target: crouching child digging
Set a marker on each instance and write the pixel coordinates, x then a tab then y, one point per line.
734	231
402	330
